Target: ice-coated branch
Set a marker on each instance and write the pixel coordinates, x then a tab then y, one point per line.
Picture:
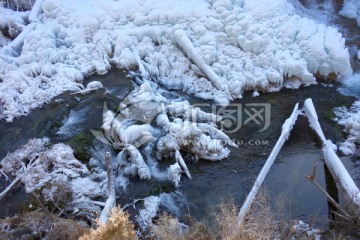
136	158
182	163
92	86
332	161
12	184
111	201
174	174
185	43
36	11
286	128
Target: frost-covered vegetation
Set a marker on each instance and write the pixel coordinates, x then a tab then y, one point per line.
213	49
54	175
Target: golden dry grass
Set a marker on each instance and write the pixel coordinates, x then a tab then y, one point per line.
117	227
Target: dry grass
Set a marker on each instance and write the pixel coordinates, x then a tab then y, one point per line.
262	222
117	227
345	227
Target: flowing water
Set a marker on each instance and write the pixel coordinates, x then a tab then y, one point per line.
74	116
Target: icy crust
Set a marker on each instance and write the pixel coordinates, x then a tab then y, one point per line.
351	9
213	49
48	171
350	118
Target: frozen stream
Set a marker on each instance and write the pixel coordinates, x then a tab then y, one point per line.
212	181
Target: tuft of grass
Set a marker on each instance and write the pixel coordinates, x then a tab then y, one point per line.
118	226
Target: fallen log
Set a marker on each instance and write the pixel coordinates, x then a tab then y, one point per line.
286	128
332	161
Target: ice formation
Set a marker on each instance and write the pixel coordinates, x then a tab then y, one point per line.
350	118
49	170
215	49
351	9
151	208
146	118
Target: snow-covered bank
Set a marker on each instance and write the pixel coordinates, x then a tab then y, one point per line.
351	9
225	48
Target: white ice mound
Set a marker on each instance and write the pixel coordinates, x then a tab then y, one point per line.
215	49
167	129
351	9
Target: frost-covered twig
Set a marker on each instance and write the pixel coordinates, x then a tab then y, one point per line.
111	201
6	190
312	179
92	86
36	10
182	163
131	204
